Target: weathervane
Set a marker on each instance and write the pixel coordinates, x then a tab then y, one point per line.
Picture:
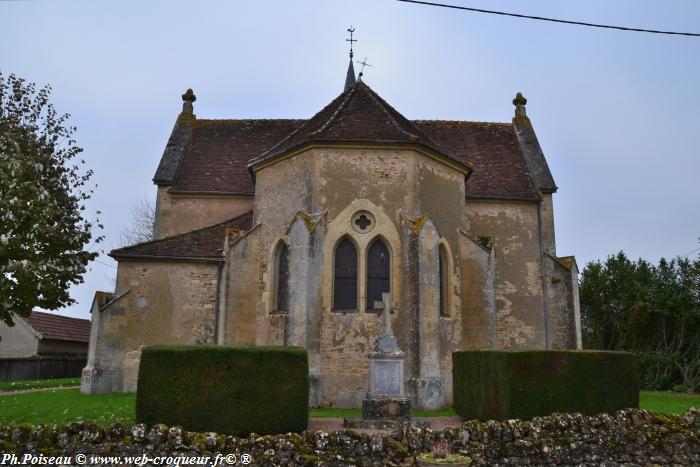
351	30
364	63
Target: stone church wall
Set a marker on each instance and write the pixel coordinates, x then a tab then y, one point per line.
514	227
346	338
240	293
158	303
281	191
386	177
478	299
562	299
176	214
440	195
326	186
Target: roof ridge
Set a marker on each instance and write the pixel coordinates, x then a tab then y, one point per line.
57	315
342	105
235	120
361	98
294	132
159	240
388	109
383	105
437	120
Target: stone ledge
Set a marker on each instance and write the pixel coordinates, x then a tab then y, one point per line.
384	424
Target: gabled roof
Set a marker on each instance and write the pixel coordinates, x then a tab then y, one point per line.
213	156
202	244
57	327
358	115
218	151
500	169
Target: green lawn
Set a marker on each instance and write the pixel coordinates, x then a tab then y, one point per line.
65	406
38	384
668	402
68	405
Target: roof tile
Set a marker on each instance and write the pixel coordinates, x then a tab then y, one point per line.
357	115
58	327
219	152
493	150
206	243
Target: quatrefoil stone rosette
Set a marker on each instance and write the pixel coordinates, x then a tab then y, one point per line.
363	221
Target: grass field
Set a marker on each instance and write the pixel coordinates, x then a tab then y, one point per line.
668	402
38	384
65	406
68	405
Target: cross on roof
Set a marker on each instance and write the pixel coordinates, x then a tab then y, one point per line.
351	30
364	63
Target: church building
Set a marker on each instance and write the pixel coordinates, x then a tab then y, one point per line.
287	233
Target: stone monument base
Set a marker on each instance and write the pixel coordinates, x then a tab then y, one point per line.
385	407
384	424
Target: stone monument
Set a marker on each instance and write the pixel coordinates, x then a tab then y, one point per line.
385	404
386	398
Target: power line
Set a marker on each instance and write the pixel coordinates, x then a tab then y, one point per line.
553	20
690	253
106	264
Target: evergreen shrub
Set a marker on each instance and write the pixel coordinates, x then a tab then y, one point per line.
232	390
501	385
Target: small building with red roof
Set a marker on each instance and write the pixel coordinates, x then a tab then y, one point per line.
44	334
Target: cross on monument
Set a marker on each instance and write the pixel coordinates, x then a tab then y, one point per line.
386	341
351	30
386	315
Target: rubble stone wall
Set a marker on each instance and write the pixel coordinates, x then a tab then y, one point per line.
629	437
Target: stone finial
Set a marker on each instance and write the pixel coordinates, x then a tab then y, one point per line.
187	99
519	103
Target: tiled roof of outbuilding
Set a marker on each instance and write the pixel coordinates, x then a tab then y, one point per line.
205	244
58	327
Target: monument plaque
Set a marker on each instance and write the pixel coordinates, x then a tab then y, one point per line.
387	378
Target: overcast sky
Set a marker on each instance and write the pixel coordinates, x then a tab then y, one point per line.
617	113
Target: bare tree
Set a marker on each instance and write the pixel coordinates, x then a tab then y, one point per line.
140	229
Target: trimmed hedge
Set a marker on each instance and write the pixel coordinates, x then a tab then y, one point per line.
234	390
499	385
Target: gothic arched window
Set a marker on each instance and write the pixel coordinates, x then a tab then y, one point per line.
345	277
444	282
282	278
378	263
